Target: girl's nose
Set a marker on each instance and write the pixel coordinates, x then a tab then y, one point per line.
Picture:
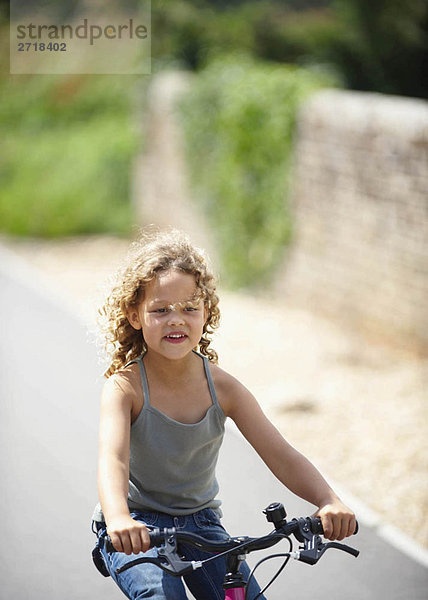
175	317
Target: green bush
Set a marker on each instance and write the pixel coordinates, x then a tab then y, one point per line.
191	32
378	46
383	45
68	143
238	124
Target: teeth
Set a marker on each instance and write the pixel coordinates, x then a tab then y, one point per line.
175	336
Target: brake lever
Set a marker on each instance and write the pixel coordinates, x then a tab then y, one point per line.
343	547
168	559
312	553
174	564
314	547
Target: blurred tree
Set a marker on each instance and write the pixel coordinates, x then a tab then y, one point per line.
384	46
376	45
179	34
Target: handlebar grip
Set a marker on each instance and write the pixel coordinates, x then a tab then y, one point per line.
316	526
157	538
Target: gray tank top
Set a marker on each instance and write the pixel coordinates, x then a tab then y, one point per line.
172	464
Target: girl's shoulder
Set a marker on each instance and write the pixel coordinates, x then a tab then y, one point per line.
229	390
220	376
124	384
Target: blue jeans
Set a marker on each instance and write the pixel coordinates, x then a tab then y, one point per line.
148	581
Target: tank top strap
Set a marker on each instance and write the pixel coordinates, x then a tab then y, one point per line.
143	376
210	380
144	380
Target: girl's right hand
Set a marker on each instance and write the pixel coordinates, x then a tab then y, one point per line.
127	535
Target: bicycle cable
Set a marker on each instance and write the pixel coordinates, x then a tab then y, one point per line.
277	574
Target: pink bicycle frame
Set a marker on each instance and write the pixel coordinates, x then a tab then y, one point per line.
235	594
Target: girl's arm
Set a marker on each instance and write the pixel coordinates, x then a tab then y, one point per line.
295	471
127	535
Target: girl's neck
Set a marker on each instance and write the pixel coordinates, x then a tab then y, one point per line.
171	371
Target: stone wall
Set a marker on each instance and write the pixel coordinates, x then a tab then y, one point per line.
360	203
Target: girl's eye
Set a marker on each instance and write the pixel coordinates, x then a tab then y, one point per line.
160	310
190	308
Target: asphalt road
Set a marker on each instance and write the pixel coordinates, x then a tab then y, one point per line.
49	387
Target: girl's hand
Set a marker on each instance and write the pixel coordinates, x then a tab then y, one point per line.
127	535
338	520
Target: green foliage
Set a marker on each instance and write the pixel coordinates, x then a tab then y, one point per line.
239	122
179	34
68	143
383	45
375	45
191	33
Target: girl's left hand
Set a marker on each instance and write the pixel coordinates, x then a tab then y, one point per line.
338	520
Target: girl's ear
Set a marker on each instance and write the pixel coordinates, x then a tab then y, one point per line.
134	318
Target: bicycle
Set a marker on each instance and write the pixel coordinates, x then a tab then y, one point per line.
306	530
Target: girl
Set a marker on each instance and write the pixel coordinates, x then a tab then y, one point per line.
163	411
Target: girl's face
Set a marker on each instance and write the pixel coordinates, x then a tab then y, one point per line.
171	320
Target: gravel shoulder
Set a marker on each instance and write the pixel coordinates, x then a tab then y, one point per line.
358	411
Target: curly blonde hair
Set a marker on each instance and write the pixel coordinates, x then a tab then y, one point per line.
151	254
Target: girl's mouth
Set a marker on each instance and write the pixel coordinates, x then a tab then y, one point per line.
175	338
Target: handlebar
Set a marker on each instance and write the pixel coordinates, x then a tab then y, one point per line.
306	530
